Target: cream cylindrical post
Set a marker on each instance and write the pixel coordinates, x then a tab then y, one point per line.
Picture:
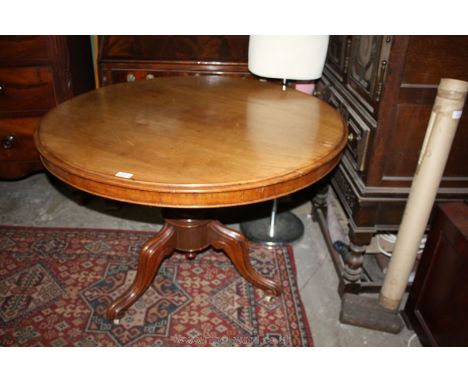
435	150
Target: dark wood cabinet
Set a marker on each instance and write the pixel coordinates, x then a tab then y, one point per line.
36	73
437	306
131	58
384	87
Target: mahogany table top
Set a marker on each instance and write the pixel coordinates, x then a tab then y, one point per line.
191	142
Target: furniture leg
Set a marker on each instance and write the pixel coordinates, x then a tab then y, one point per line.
236	247
353	260
319	201
153	253
190	236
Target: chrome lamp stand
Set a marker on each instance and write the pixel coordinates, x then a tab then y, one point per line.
279	228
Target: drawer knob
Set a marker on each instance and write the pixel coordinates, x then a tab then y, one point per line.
2	88
150	76
8	142
131	77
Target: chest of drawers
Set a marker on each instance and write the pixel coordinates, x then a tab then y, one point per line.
131	58
36	73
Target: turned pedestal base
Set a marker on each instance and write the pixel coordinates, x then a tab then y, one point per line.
189	236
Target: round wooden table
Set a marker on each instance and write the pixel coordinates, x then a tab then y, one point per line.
190	144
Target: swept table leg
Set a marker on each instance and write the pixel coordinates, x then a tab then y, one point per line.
153	253
190	236
236	247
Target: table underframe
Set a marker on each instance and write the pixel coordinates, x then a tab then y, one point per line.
188	232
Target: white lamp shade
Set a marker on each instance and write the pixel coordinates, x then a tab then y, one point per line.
288	57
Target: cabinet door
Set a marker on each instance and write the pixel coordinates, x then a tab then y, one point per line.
337	55
367	65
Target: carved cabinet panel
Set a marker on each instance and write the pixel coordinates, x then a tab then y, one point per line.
364	62
367	68
337	57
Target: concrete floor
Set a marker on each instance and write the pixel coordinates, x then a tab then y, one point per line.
43	201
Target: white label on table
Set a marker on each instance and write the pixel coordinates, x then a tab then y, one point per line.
125	175
457	114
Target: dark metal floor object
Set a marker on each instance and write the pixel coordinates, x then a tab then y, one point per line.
366	312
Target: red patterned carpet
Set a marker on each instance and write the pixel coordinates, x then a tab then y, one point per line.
55	285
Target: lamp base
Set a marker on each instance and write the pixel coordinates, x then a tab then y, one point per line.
287	228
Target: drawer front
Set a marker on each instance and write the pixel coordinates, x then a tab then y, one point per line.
358	139
17	139
26	88
118	76
18	49
114	76
359	131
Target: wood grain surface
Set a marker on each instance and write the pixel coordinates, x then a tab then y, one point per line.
192	141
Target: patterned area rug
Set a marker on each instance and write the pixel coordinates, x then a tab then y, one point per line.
55	285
